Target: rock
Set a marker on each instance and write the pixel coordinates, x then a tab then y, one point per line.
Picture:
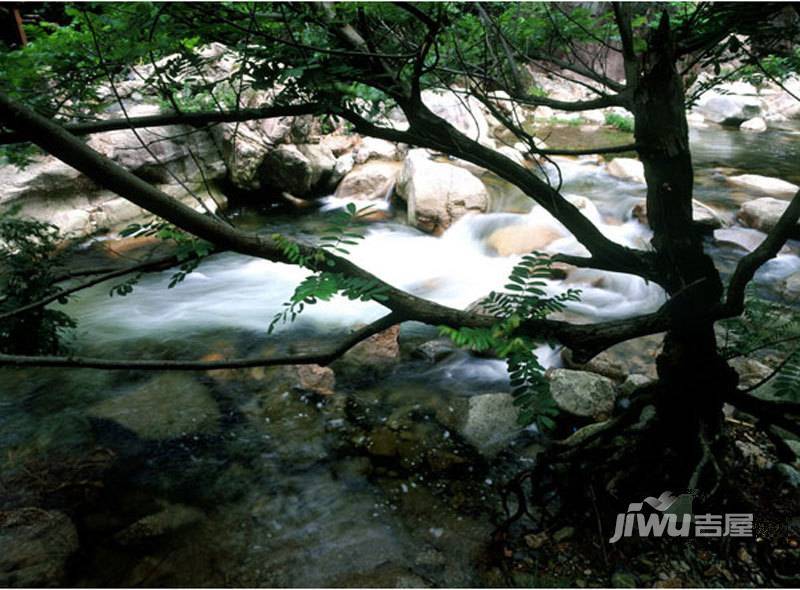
582	394
755	125
343	165
628	169
791	286
371	181
171	518
298	169
742	237
379	349
487	421
512	154
753	454
602	364
633	382
34	547
438	194
463	112
763	214
790	474
168	406
750	371
374	148
773	187
701	214
434	351
521	239
728	109
315	379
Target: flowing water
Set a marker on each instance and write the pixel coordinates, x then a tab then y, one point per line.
234	477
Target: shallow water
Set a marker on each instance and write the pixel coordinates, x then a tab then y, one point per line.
287	489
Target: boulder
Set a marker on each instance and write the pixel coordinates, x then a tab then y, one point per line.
750	371
379	149
168	406
628	169
512	153
463	112
773	187
755	125
728	109
701	214
438	194
582	394
297	169
34	547
434	351
370	181
315	379
741	237
487	421
602	364
763	214
791	287
379	350
522	239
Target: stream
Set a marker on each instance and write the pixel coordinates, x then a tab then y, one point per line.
235	478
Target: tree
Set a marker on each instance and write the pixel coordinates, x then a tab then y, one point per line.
357	62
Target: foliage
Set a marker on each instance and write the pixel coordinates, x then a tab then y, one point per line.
524	299
29	259
189	250
766	325
620	122
345	229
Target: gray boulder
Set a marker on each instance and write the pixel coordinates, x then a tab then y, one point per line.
583	394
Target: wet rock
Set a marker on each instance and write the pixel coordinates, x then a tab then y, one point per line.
434	351
603	364
168	406
315	379
298	169
581	393
626	169
170	519
763	214
633	382
341	168
773	187
754	125
742	237
791	287
34	547
371	181
522	239
438	194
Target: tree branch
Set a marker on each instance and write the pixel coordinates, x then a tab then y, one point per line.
767	250
316	358
192	119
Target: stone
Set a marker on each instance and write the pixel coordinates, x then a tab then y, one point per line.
315	379
742	237
434	351
536	540
763	214
633	382
298	169
513	154
728	109
753	454
791	287
371	181
701	214
341	168
623	580
750	371
521	239
790	474
374	148
563	534
35	545
487	421
755	125
380	349
165	407
773	187
602	364
628	169
462	111
582	394
171	518
438	194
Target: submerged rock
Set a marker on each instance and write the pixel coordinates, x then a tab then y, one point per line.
34	547
487	421
437	193
171	518
168	406
582	394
